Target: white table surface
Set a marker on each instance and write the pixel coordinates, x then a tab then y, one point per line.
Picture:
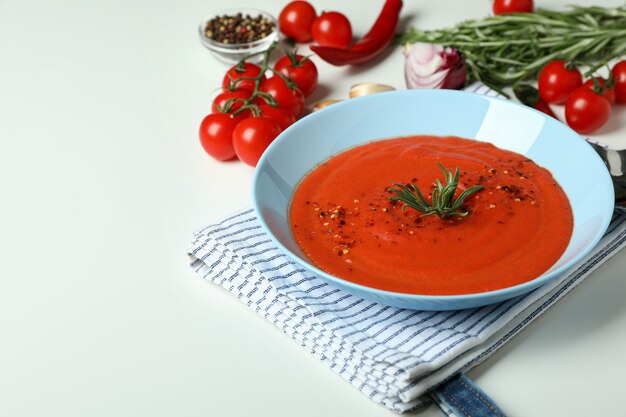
102	183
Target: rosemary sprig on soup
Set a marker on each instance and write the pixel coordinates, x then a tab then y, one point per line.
443	202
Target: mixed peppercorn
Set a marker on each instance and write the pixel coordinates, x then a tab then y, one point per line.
239	28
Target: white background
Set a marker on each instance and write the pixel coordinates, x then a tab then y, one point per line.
102	181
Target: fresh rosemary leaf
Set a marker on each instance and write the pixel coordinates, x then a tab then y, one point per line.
442	201
503	50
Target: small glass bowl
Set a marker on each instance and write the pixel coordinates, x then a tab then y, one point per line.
233	53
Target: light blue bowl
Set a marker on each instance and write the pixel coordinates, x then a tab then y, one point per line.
551	144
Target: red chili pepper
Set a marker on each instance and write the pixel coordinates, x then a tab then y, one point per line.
373	43
529	96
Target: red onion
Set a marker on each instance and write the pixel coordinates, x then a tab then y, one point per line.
433	66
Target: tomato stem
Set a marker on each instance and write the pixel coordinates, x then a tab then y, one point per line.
266	97
592	69
248	104
265	53
292	57
290	84
227	107
254	109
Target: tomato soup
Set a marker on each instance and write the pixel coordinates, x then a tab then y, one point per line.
517	226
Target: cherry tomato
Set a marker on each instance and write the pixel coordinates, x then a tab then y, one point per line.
619	80
332	29
556	81
234	73
606	92
586	111
543	107
529	95
252	136
512	6
300	70
296	19
283	117
235	97
290	99
216	135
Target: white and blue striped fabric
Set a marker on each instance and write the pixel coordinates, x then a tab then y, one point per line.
392	355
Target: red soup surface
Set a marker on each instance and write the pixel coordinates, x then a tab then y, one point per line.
516	228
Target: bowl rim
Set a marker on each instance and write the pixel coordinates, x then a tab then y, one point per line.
502	293
236	47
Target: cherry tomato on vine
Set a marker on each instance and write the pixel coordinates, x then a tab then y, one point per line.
248	70
556	81
216	135
512	6
529	95
296	19
586	111
252	136
332	29
606	92
235	97
300	70
290	99
543	107
619	81
283	117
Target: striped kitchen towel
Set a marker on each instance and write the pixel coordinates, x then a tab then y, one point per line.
394	356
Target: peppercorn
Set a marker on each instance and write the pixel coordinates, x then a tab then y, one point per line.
238	29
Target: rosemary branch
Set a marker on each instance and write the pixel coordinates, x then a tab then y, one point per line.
443	202
506	49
